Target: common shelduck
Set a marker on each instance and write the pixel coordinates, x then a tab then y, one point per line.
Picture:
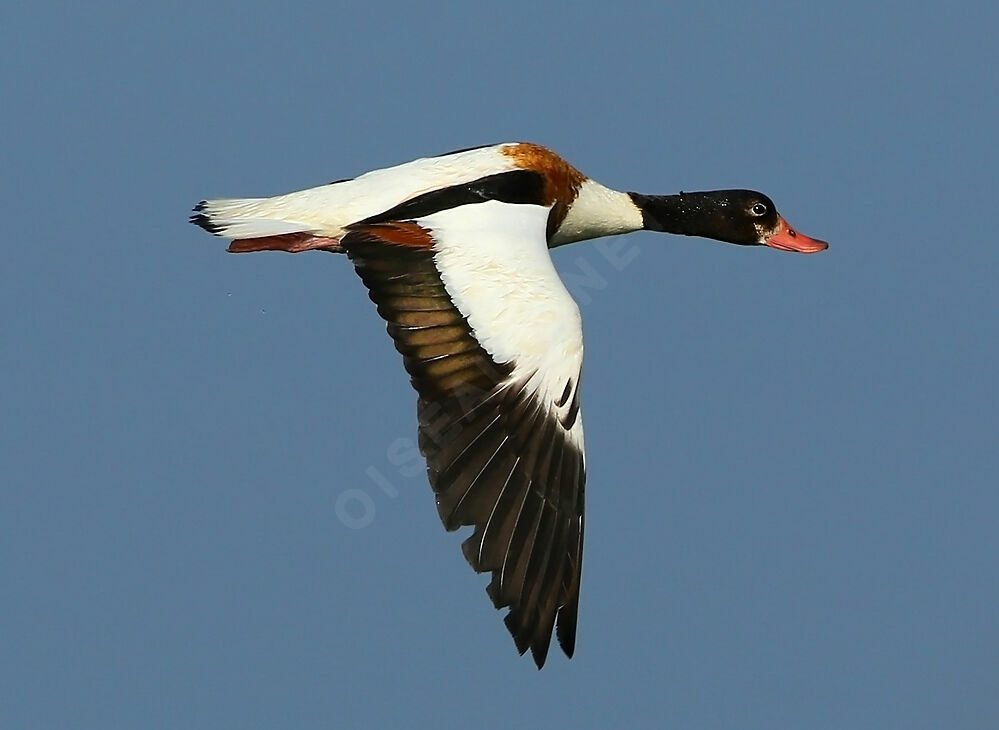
454	252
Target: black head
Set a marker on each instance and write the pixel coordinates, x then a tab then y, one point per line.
743	217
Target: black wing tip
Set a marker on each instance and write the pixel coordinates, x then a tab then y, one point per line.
520	638
202	220
528	637
539	658
539	652
566	634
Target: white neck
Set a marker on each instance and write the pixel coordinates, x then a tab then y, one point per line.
598	211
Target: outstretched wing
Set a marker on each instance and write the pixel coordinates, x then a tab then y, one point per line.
493	344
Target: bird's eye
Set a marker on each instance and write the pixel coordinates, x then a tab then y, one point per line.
759	209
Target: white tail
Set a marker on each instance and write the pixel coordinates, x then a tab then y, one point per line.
245	218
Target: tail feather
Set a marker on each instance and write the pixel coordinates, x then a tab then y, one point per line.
253	224
244	218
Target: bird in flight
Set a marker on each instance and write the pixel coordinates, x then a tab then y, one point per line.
454	252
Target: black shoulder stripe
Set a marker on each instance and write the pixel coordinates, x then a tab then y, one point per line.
469	149
515	186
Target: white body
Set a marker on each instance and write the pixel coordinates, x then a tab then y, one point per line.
326	210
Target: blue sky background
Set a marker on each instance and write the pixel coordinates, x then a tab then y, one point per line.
792	497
